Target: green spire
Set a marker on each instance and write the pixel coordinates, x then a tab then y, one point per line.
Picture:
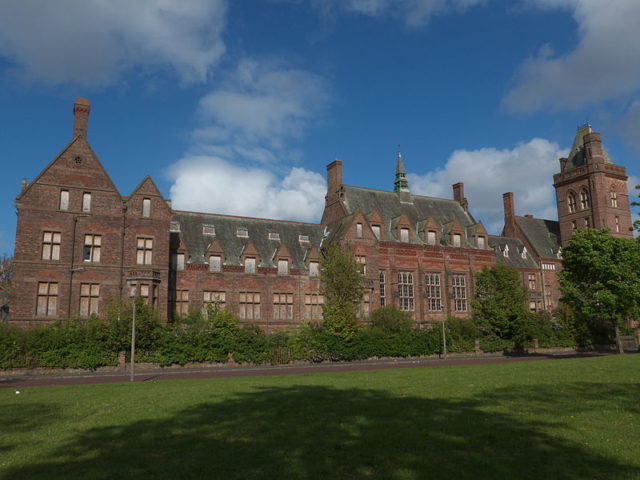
401	184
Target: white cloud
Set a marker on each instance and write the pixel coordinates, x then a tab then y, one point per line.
262	102
412	12
240	162
525	170
603	66
212	184
630	125
94	42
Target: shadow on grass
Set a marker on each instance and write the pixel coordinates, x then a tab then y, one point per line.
17	418
316	432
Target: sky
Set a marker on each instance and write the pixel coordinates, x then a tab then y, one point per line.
238	106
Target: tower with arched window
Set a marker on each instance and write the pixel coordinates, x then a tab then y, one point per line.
591	191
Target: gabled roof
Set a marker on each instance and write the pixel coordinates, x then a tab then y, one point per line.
226	226
58	158
543	235
515	248
390	207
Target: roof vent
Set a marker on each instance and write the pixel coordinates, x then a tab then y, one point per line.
274	236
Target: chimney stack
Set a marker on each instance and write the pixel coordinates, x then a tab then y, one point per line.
334	176
509	214
81	109
458	192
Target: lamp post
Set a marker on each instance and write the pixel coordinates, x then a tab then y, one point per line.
133	341
444	341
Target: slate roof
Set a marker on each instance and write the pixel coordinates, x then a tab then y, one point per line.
544	235
416	208
514	258
226	226
576	156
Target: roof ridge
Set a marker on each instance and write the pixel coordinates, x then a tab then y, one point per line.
248	218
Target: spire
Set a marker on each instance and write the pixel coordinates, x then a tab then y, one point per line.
401	184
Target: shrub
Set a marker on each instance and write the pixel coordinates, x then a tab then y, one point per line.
391	317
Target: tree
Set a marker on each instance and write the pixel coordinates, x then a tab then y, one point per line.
500	304
636	224
391	317
342	289
6	271
601	278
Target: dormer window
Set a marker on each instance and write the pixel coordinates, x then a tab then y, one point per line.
178	262
404	234
208	230
571	203
174	226
242	232
215	263
146	207
481	242
376	231
250	265
274	236
524	253
314	269
584	199
359	230
505	252
303	238
457	240
283	266
431	237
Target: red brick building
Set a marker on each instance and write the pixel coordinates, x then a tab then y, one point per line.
81	245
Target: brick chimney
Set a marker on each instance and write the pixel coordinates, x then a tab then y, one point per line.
458	192
458	195
334	176
509	215
81	109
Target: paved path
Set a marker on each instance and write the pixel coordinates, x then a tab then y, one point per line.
261	370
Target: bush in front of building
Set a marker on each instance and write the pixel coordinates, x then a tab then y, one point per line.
391	317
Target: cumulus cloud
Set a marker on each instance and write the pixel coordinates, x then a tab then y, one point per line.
262	102
603	66
213	184
95	42
488	172
241	161
412	12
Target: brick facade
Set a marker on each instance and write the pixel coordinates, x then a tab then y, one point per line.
82	246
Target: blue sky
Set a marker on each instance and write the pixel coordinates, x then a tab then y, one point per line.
237	107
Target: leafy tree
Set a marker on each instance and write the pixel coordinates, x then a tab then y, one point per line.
391	317
636	224
601	278
342	289
500	305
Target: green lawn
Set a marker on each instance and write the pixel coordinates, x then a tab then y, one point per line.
556	419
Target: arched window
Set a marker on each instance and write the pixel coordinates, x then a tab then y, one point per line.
571	203
584	199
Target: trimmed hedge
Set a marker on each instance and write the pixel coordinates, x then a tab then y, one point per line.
217	337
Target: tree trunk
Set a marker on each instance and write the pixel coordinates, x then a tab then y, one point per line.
619	340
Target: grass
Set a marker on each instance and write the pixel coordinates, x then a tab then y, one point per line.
556	419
